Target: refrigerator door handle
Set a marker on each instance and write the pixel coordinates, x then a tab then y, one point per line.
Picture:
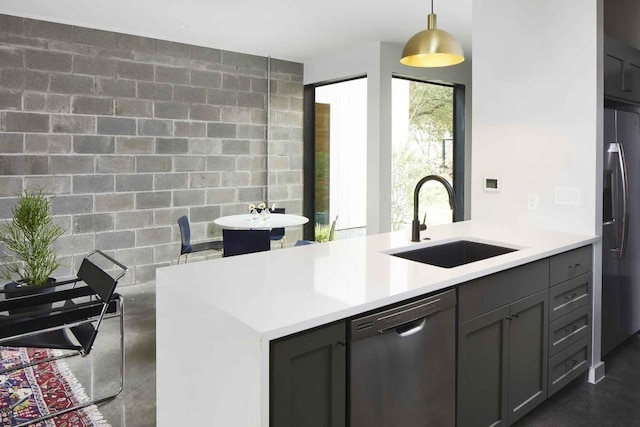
621	251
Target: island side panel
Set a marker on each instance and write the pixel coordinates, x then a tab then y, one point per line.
215	377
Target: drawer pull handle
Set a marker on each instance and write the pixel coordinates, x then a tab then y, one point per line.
513	316
571	364
573	328
572	296
572	266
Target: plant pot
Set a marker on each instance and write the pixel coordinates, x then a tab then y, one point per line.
19	289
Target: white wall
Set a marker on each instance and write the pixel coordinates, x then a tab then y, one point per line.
537	118
379	61
535	110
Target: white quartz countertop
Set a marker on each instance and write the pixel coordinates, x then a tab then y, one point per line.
284	291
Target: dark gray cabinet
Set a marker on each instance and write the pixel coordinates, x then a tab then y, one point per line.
482	376
308	379
621	71
570	316
502	363
527	329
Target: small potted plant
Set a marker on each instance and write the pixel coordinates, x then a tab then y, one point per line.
29	238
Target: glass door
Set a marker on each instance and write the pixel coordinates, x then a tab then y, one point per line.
340	169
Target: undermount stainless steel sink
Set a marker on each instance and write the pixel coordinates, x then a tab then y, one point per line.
454	254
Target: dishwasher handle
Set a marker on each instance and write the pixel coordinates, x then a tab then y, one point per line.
410	328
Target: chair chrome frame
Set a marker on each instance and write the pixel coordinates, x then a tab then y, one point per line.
68	317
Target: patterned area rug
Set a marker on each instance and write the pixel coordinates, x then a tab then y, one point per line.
49	387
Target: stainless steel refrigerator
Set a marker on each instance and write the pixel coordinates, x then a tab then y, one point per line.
621	228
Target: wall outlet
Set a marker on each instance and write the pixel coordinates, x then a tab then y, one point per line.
532	201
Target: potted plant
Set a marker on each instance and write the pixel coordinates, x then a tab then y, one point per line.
322	232
29	238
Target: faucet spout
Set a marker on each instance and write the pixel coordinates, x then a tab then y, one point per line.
415	225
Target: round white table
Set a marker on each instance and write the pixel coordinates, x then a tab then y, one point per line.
247	222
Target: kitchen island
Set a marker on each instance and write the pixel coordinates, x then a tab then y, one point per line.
216	319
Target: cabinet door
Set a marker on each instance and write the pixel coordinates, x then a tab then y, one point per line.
528	360
616	77
621	71
308	379
482	376
632	78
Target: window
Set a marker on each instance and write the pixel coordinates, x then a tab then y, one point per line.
422	144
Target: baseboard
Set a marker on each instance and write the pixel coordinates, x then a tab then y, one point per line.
596	372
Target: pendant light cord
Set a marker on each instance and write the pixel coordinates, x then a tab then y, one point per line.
432	7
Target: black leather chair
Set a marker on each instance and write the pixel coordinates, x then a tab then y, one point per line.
277	234
187	247
238	242
70	324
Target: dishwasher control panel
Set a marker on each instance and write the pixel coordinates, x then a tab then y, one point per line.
387	320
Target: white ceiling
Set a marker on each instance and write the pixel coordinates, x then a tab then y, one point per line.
295	30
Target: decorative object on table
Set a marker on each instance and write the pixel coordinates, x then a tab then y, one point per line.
30	393
29	237
239	242
259	212
186	247
71	326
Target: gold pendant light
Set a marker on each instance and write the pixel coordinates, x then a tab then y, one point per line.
432	47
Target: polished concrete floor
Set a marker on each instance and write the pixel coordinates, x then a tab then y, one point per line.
136	405
613	402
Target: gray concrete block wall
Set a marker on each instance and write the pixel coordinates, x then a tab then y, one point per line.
128	133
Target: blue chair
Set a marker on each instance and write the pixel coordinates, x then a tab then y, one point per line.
187	247
238	242
277	234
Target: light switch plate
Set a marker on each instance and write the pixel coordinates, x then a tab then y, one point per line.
568	196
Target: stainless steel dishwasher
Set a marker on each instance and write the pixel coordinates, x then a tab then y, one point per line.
403	365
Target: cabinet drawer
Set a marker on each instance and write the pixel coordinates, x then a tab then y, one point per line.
569	329
568	296
491	292
568	364
570	264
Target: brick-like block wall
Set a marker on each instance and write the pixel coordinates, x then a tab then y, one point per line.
128	133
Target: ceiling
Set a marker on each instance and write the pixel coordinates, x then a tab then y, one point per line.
294	30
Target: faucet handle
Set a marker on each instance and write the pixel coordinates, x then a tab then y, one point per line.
423	226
